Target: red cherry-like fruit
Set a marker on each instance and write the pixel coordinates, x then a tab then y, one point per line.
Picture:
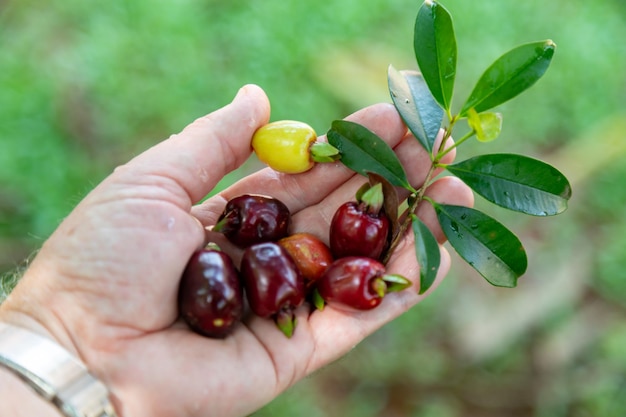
311	255
360	228
273	284
210	294
357	283
249	219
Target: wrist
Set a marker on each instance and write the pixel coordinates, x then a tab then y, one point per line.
53	372
30	306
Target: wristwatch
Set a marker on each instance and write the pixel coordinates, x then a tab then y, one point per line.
53	372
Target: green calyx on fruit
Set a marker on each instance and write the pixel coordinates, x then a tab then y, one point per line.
372	197
389	283
378	286
395	282
286	322
317	299
324	152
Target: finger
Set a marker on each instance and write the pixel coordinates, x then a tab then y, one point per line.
190	164
302	190
336	332
417	161
323	336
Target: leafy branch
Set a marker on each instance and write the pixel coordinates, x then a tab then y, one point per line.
424	101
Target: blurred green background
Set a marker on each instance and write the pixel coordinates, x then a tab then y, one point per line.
85	86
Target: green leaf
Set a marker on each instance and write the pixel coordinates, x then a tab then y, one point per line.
489	247
427	253
486	125
416	105
435	50
516	182
510	75
362	151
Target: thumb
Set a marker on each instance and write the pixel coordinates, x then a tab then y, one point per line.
207	149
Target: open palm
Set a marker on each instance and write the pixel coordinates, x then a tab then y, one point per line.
105	283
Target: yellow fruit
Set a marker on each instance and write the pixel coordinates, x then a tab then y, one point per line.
285	146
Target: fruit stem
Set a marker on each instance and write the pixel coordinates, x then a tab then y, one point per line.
414	200
443	153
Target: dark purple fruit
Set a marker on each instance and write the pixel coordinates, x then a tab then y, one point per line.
360	228
273	283
210	295
358	283
249	219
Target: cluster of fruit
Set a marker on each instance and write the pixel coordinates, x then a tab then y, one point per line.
280	271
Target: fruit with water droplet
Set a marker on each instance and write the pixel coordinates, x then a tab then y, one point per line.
360	228
250	218
273	284
210	294
357	283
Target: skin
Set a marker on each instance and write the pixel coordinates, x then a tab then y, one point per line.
104	285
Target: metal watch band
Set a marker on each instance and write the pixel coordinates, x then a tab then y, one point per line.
54	373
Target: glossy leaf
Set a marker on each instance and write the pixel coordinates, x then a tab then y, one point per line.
489	247
510	75
435	50
416	105
363	151
427	253
516	182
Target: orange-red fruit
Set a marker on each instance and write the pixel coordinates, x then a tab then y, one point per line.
311	255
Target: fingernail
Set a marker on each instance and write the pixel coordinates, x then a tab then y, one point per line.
243	91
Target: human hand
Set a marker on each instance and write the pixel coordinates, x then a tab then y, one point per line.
105	284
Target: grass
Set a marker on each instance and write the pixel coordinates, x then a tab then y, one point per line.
82	90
